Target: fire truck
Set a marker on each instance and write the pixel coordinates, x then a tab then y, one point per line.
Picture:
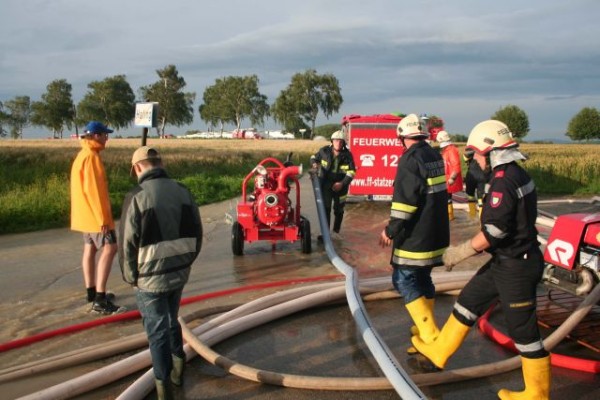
377	151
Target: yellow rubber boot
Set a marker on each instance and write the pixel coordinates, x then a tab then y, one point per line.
536	374
449	340
450	212
414	330
472	209
421	312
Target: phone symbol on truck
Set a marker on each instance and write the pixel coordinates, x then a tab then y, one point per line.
366	160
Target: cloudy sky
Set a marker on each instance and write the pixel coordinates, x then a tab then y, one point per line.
461	60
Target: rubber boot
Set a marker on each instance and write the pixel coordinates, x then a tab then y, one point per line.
177	371
414	330
536	374
421	312
449	340
450	212
164	391
472	209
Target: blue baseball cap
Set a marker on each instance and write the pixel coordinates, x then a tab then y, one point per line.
96	127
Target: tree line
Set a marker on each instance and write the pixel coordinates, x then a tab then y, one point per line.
229	100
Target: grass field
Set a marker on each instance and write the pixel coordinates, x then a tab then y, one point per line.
34	174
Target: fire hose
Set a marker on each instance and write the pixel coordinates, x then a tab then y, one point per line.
431	378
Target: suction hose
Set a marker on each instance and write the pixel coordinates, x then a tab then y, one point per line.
133	363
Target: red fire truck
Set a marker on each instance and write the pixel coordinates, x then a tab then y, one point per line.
377	150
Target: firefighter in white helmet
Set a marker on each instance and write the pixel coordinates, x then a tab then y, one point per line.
452	166
336	167
418	226
509	234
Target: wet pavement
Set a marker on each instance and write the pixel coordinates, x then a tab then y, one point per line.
41	290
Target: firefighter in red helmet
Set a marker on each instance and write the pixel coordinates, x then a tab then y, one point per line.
452	166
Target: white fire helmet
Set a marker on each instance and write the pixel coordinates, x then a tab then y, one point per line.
338	135
410	127
490	135
442	136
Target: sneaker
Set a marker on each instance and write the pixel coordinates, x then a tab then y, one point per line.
106	307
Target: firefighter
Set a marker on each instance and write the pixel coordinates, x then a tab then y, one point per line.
452	166
511	276
418	226
475	183
337	169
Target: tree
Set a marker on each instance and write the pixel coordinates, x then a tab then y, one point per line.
307	94
3	119
585	125
516	120
111	101
233	98
17	117
56	109
174	105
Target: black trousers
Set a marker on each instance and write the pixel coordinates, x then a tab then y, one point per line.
514	283
339	202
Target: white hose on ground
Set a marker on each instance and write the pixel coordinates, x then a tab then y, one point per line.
386	360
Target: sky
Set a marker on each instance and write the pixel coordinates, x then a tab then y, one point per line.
461	60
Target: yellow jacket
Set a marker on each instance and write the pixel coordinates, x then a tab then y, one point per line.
90	203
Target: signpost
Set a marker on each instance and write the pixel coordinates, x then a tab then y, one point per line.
146	115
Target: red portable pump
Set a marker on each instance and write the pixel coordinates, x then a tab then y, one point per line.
268	213
572	255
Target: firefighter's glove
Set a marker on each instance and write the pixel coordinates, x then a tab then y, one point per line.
455	254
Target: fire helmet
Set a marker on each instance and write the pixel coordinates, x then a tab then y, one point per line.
410	127
442	136
338	135
490	135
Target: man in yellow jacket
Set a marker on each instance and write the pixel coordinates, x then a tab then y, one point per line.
91	214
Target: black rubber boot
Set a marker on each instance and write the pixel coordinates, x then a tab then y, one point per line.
164	391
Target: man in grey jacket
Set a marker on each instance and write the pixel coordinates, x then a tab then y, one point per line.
160	237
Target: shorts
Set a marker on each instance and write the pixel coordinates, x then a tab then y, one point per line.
98	239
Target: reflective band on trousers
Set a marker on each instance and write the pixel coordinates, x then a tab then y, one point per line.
531	347
166	249
469	316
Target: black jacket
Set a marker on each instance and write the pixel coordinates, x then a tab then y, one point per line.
510	211
419	222
340	169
